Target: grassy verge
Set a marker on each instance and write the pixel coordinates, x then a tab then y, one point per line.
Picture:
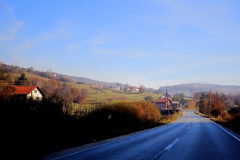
126	117
170	116
44	127
232	125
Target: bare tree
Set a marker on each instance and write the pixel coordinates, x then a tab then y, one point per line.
142	89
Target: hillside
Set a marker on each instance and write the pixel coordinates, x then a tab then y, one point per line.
187	89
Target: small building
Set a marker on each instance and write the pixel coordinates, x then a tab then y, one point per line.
115	87
175	105
27	92
127	89
163	104
134	89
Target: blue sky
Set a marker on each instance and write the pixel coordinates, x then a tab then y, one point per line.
148	42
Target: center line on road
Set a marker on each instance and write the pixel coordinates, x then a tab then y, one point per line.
166	149
170	145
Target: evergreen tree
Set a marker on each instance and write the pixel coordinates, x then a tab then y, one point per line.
22	81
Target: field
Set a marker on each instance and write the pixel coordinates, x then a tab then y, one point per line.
109	95
101	96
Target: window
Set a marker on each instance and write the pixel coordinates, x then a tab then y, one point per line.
35	91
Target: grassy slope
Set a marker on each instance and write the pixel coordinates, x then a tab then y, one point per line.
102	97
97	96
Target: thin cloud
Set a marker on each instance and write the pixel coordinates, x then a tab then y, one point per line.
100	39
128	53
211	17
73	47
63	30
25	45
9	24
45	36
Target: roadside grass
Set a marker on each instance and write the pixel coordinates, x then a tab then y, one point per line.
170	116
231	122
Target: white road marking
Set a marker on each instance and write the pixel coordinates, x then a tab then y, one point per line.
170	145
227	131
99	145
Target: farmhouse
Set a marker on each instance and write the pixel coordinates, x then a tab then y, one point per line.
26	92
134	89
175	105
163	104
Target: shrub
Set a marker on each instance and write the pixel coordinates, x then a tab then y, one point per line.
148	98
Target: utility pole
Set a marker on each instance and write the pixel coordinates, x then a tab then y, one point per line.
210	102
210	106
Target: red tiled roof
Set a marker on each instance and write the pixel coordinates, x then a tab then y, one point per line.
134	87
161	100
24	89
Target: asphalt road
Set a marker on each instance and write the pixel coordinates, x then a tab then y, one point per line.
192	137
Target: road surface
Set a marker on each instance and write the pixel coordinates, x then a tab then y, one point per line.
192	137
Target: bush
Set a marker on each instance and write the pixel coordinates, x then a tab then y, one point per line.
127	114
148	98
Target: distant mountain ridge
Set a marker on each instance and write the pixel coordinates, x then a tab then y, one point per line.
186	89
190	89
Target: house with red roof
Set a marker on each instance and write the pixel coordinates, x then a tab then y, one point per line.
27	92
163	104
134	89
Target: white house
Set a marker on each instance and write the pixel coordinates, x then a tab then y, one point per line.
28	92
134	89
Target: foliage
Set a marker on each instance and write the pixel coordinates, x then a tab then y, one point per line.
140	112
6	92
5	78
179	97
237	100
170	115
47	126
85	92
212	104
148	98
142	89
22	81
191	104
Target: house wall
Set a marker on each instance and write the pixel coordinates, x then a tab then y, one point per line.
161	106
35	94
116	88
134	90
174	106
